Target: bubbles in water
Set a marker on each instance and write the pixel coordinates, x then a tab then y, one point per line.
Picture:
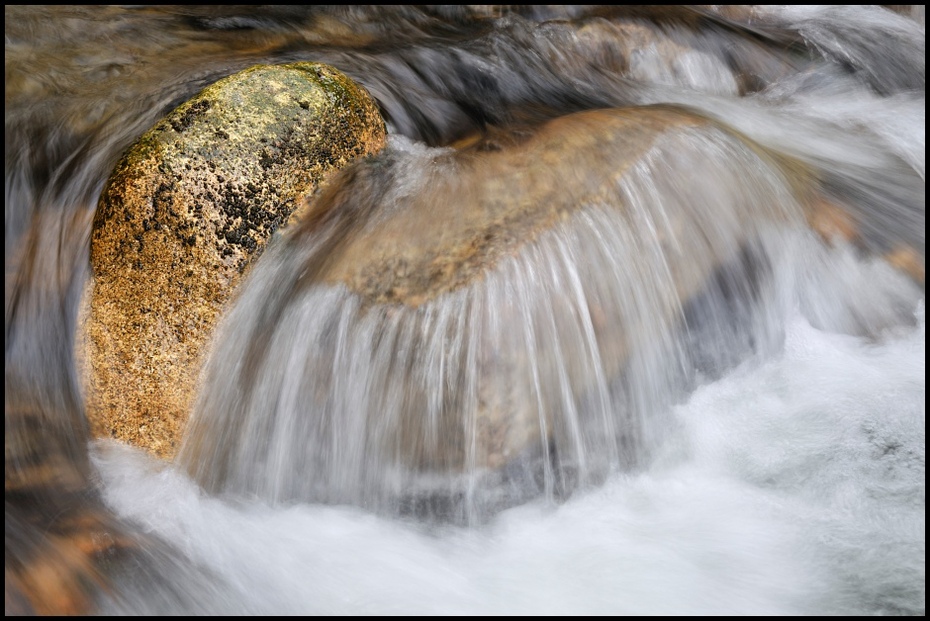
720	415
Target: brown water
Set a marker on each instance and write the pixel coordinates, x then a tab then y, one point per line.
624	355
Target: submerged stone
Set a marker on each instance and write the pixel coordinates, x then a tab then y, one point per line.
446	317
185	212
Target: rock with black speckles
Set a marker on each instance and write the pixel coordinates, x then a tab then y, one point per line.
185	212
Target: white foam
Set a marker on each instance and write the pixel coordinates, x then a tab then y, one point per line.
794	486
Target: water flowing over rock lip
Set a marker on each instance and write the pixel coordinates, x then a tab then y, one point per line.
509	379
750	510
385	264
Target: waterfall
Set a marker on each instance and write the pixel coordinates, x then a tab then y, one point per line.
627	318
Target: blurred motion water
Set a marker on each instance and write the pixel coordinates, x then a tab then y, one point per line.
725	393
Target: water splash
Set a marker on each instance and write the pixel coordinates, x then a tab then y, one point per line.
542	374
791	481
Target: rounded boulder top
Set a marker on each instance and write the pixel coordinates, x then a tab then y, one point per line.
186	210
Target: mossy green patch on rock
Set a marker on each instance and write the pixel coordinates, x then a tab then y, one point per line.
187	209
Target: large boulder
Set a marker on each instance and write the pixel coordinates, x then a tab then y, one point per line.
451	314
186	211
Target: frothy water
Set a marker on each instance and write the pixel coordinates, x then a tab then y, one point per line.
792	485
723	411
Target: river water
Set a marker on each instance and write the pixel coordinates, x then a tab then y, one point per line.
780	469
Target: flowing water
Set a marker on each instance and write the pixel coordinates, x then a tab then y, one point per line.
722	411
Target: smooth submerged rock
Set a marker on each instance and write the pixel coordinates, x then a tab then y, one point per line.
499	196
186	210
446	313
498	200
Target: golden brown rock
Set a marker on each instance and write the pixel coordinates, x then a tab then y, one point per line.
185	212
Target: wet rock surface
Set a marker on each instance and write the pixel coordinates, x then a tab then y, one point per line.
502	200
479	311
187	209
84	82
499	200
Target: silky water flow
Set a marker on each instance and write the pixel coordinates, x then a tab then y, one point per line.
658	385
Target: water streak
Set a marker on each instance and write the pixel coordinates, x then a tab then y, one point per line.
677	398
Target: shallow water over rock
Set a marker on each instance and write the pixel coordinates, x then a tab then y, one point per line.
467	325
627	319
